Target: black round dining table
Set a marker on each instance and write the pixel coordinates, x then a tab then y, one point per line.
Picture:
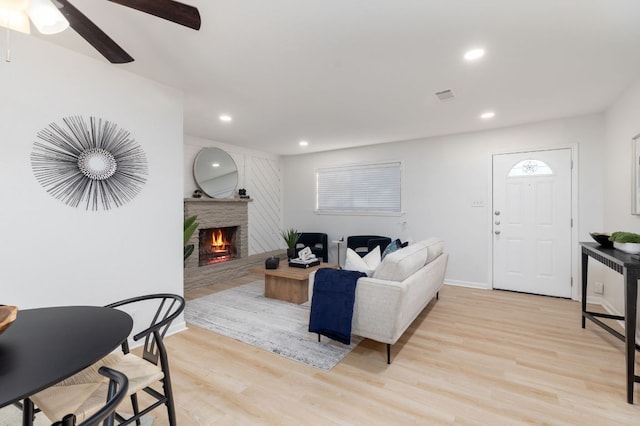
46	345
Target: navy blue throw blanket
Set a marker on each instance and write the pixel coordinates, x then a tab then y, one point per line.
334	291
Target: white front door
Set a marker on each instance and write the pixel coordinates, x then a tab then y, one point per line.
532	222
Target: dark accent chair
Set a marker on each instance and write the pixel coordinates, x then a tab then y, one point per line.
316	241
363	244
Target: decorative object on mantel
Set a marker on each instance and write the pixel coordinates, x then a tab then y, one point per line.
8	315
93	163
627	242
242	193
190	225
197	194
290	237
602	239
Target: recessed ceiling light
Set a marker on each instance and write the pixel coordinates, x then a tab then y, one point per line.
226	118
215	165
474	54
303	143
487	115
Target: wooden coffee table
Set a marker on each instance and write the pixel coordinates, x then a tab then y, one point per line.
287	283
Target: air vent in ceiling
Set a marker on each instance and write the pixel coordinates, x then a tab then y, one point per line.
445	95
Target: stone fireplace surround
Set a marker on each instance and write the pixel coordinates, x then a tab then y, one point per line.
217	213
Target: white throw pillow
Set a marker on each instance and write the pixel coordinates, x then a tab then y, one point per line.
367	264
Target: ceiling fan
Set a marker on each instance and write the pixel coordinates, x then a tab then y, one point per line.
170	10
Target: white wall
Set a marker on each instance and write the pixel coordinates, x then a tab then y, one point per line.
260	174
622	124
53	254
442	177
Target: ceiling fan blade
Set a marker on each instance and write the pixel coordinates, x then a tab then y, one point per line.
170	10
91	33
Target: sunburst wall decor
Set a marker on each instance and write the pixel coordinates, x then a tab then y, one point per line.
92	163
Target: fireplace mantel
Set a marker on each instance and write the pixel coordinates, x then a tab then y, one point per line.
218	200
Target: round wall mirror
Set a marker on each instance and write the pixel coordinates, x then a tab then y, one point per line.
215	173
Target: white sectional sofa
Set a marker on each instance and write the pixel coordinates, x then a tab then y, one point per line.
388	301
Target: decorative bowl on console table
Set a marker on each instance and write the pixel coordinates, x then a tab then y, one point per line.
631	248
602	239
627	242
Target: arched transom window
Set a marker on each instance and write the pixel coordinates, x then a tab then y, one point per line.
530	168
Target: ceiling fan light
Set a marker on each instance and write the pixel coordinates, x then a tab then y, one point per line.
46	17
16	20
14	5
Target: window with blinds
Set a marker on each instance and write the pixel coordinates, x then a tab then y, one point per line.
366	189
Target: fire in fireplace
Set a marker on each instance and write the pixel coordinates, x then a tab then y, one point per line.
217	245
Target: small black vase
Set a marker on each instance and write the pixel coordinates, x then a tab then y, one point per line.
291	253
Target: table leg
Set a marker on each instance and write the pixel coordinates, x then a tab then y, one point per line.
630	314
27	412
585	270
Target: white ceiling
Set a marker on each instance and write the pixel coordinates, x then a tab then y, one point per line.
341	73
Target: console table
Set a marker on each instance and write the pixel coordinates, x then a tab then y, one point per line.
629	267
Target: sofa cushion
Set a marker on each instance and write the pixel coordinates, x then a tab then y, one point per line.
434	246
401	264
366	264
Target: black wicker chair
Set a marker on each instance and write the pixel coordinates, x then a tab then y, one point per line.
170	306
142	371
118	386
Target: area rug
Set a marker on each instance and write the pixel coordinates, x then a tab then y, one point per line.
12	416
244	314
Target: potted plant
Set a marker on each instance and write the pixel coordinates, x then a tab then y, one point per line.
190	225
626	241
290	237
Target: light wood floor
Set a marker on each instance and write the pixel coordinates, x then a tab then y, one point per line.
474	357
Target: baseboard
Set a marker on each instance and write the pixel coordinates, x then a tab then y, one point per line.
599	300
608	307
471	284
596	300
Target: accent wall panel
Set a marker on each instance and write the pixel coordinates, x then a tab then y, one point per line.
263	184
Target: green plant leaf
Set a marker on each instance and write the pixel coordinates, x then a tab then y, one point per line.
624	237
190	225
188	250
290	236
189	221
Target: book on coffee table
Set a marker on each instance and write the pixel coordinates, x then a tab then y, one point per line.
299	263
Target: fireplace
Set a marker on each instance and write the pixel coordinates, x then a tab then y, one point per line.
217	245
211	263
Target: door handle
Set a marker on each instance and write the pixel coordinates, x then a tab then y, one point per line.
497	232
497	222
497	212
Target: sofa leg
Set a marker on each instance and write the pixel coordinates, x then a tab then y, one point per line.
318	337
438	295
388	353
